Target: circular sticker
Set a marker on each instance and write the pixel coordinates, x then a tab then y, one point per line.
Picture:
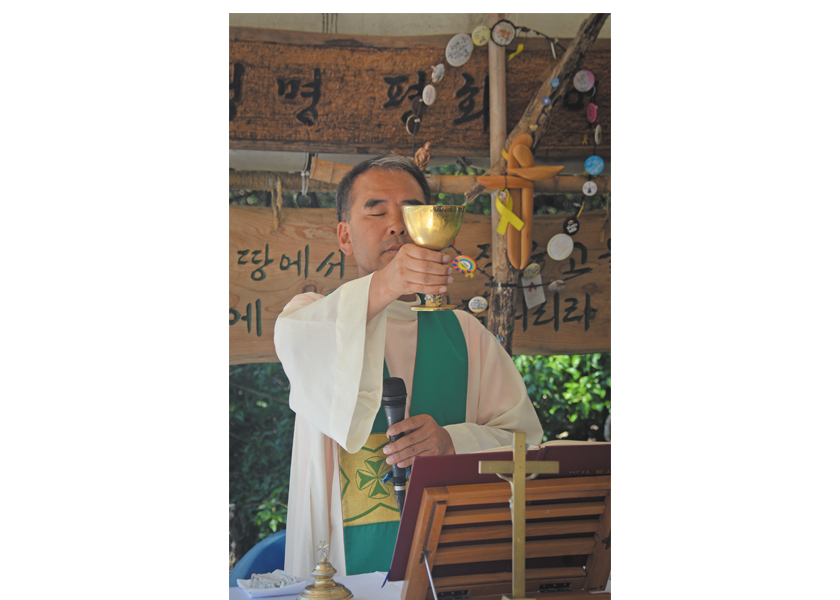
429	95
594	165
503	32
438	72
597	134
556	285
584	80
531	271
560	246
591	112
571	225
590	188
478	304
481	35
555	82
464	264
459	49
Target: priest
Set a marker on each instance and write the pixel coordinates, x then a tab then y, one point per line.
464	392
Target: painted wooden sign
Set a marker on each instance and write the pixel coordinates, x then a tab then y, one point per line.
309	92
267	269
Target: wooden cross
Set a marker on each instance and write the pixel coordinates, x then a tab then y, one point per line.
518	467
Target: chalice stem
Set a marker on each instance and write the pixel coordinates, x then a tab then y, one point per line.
434	299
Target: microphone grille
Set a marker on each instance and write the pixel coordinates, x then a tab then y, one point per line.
393	386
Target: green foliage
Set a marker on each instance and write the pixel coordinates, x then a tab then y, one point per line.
570	393
261	429
481	205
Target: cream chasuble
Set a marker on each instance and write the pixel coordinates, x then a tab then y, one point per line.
334	359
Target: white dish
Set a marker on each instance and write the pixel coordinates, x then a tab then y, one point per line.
289	590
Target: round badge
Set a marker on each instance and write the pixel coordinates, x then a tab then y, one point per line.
555	82
590	188
531	271
478	304
418	107
503	32
464	264
597	134
594	165
560	246
571	225
481	35
459	49
584	80
556	285
591	112
412	124
438	72
429	95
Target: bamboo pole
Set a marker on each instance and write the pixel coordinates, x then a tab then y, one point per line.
446	184
502	299
263	180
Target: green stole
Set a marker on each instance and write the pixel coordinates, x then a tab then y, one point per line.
369	508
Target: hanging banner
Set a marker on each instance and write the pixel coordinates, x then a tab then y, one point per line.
307	92
267	269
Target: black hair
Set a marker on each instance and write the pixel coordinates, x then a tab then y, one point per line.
386	163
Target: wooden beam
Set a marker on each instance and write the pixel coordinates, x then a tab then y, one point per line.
334	40
539	115
560	184
328	174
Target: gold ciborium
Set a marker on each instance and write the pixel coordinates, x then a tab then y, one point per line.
433	227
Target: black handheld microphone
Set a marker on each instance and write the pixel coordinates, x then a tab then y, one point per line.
393	399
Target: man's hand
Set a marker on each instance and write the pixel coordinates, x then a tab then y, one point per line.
423	437
413	270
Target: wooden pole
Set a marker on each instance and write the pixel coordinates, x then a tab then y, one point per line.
539	115
502	299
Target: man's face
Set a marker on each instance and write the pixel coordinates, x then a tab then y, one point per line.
375	230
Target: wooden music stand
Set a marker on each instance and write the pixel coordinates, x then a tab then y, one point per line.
464	532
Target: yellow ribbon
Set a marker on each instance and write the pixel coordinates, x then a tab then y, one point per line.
507	215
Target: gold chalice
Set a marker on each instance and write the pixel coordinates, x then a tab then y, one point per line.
433	227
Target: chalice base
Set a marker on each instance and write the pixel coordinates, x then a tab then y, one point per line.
441	307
